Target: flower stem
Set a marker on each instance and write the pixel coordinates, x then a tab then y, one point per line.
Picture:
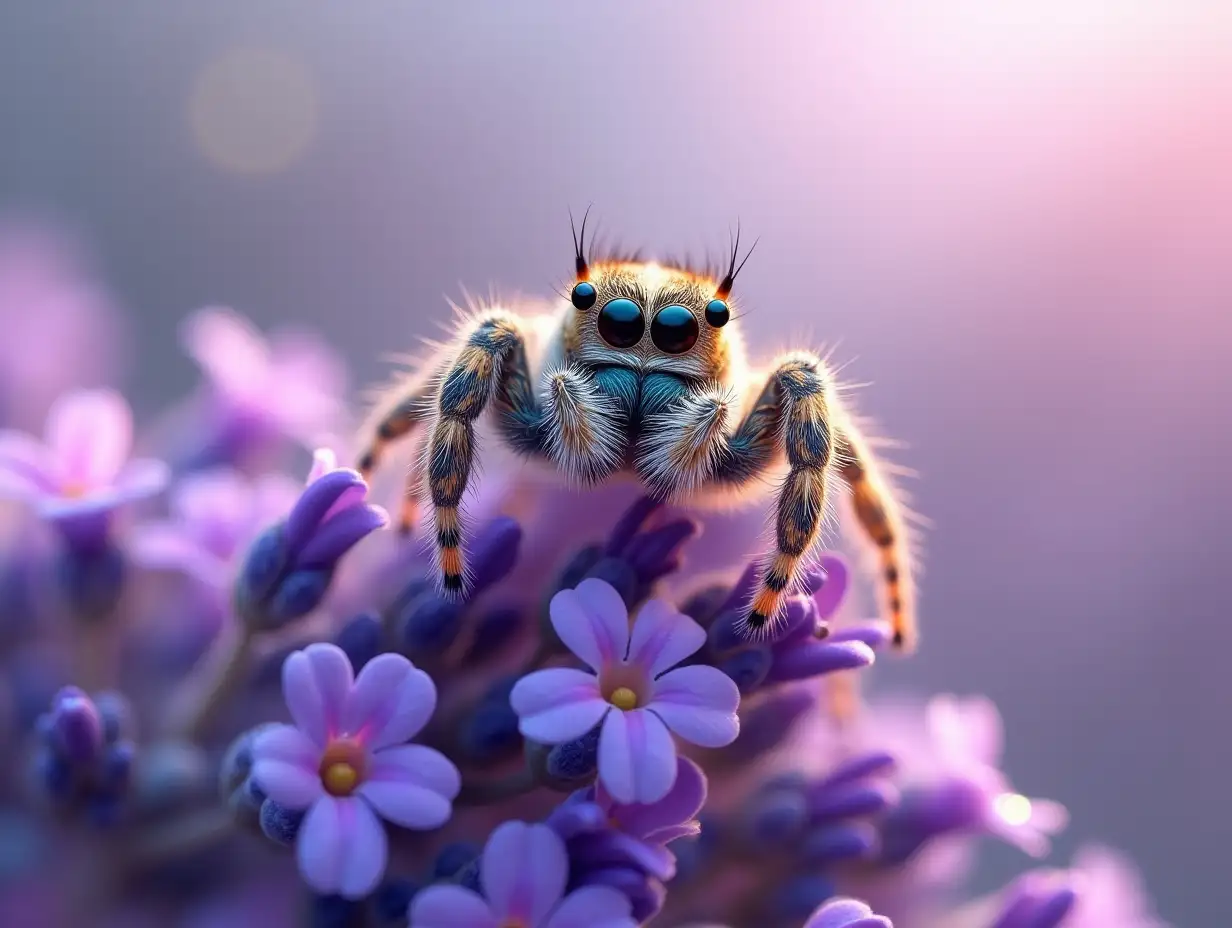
490	791
183	835
207	691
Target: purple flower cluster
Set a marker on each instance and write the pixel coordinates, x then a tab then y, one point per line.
588	741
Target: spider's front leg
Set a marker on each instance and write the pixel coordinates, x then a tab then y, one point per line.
794	410
490	367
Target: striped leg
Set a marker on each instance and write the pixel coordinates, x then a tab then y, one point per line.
878	512
794	408
491	366
412	404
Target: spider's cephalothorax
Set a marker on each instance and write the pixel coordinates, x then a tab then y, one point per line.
642	371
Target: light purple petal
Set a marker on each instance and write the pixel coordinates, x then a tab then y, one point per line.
412	786
315	684
965	731
342	847
558	704
592	621
680	805
391	702
593	907
699	704
451	907
285	766
846	913
663	637
26	468
142	477
163	545
90	433
523	871
637	757
230	350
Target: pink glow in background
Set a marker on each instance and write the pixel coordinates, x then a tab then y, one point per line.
1016	217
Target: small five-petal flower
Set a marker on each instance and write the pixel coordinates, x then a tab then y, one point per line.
631	689
346	761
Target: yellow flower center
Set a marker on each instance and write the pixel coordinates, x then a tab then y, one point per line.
623	698
342	768
513	923
74	490
341	779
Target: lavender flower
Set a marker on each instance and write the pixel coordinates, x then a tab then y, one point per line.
80	473
632	690
625	845
967	794
85	755
214	516
346	761
289	567
524	873
260	390
846	913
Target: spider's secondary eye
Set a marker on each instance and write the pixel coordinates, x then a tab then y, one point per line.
621	323
717	313
674	330
583	295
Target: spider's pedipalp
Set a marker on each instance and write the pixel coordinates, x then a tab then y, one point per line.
680	448
583	428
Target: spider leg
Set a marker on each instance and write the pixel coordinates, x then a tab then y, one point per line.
794	411
491	368
411	406
879	515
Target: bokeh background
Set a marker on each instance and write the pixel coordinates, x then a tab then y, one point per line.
1014	218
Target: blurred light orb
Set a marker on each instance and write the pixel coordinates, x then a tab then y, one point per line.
254	110
1013	809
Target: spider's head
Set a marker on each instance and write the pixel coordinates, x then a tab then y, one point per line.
651	316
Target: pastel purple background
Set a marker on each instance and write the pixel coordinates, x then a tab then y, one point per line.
1017	217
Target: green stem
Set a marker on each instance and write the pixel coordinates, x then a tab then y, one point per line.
223	671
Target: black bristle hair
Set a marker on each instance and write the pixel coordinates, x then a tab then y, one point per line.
581	267
729	279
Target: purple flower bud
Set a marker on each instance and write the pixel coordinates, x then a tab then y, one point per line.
77	727
494	553
748	668
834	843
812	658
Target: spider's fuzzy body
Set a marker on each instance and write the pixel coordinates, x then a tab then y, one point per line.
642	371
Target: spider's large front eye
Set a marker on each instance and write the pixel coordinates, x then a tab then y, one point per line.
674	330
621	323
583	295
